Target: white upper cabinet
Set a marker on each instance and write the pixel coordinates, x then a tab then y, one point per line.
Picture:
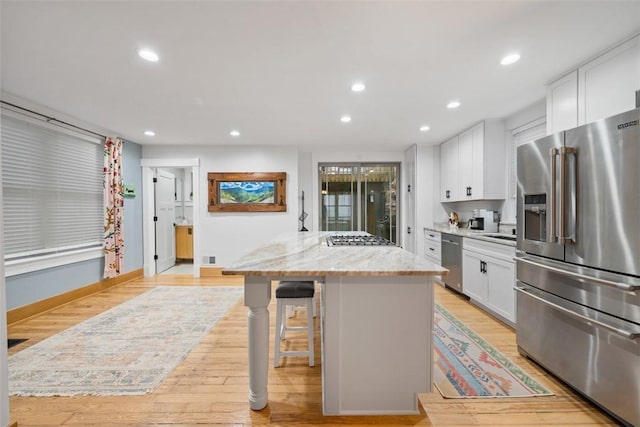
465	165
602	87
562	103
449	170
607	85
473	164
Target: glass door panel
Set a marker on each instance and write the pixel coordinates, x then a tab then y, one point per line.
379	200
338	191
360	197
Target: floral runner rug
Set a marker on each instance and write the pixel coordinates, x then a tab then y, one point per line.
466	366
127	350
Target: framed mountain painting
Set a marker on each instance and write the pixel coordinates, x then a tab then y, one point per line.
247	191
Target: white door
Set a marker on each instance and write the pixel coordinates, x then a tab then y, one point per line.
165	214
474	279
410	157
501	279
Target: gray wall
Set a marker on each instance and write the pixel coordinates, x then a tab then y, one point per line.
38	285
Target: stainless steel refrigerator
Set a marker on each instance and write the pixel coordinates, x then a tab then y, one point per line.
578	260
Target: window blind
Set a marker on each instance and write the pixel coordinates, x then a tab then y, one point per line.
52	189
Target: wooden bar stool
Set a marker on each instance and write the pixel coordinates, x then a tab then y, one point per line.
294	293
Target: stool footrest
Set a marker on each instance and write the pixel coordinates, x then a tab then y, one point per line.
294	353
295	328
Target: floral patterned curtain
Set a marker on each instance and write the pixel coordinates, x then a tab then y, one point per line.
113	208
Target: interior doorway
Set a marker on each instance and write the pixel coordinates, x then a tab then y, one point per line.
360	197
191	169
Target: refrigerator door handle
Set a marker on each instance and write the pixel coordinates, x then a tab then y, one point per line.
562	237
617	285
624	333
563	195
553	236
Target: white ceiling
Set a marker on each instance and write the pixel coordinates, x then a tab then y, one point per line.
280	72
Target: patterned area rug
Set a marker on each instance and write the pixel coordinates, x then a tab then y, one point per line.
127	350
466	366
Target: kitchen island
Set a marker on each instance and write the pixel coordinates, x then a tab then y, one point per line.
376	320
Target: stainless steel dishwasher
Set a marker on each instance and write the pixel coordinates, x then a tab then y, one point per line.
452	260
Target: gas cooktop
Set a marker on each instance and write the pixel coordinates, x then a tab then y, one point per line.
357	240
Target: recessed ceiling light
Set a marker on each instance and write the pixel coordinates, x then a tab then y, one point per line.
424	128
510	59
149	133
453	104
148	54
234	133
345	119
358	87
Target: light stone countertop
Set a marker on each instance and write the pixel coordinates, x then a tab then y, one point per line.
307	254
479	235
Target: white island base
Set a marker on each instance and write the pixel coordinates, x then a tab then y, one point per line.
376	344
376	317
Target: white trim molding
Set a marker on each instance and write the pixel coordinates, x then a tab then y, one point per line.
148	204
27	265
169	163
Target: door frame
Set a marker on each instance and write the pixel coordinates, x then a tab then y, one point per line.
148	208
407	188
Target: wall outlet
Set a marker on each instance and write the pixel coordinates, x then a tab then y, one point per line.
209	260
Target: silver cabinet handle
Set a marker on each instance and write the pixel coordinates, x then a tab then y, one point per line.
618	285
622	332
452	242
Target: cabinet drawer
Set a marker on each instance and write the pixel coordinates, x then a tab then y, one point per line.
432	246
432	236
433	251
489	248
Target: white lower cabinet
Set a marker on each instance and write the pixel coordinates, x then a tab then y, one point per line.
432	246
488	274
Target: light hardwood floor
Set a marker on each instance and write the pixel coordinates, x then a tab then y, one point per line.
210	387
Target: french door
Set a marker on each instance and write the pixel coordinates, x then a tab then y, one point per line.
360	197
